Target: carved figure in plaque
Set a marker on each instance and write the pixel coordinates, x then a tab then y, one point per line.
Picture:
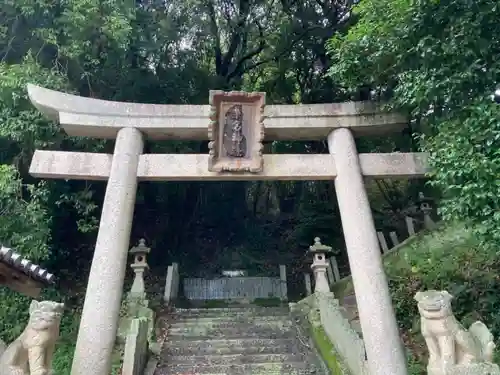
235	143
236	132
449	343
31	353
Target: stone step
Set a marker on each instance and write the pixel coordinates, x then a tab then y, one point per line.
230	329
236	318
276	368
221	325
255	333
232	346
233	359
229	312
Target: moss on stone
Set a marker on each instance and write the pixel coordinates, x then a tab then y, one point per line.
326	350
117	359
212	304
268	302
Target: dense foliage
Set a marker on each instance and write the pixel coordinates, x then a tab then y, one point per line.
438	61
450	259
159	52
435	60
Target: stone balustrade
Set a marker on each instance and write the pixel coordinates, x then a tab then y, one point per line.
322	309
135	355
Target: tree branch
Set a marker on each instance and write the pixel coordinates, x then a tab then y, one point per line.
214	28
284	51
236	37
238	69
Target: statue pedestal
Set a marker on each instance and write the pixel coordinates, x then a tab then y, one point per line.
484	368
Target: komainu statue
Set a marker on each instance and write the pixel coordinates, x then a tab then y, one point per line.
452	348
31	353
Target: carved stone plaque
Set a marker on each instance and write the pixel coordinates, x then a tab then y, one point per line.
236	131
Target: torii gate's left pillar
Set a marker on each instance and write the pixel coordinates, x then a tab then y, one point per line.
98	326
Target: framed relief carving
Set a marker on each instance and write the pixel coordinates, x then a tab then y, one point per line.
236	131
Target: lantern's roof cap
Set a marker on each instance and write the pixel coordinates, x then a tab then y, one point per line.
423	199
318	247
141	248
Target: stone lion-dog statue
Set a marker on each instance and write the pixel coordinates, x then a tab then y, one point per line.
31	353
452	348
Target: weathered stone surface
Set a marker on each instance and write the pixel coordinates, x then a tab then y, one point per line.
192	167
383	345
101	310
277	368
88	117
323	310
237	340
238	318
452	348
136	304
207	334
230	312
34	348
125	321
352	314
474	369
237	359
236	131
171	284
136	348
320	264
246	346
230	325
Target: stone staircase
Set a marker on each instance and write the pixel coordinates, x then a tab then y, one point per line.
236	341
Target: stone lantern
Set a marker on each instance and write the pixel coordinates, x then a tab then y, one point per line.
138	292
426	209
319	266
136	304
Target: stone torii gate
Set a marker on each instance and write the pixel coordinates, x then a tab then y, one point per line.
234	156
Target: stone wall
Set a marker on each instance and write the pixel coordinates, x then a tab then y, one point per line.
136	348
233	288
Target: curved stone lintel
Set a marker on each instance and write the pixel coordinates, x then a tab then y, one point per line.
81	116
51	103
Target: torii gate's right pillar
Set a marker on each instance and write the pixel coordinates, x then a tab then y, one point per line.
383	345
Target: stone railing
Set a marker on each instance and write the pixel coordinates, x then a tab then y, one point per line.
331	316
171	284
135	355
420	219
344	338
324	310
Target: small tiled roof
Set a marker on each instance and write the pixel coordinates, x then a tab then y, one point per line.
18	262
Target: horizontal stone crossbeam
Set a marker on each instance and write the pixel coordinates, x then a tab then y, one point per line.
192	167
87	117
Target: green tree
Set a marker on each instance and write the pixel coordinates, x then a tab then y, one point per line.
438	62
